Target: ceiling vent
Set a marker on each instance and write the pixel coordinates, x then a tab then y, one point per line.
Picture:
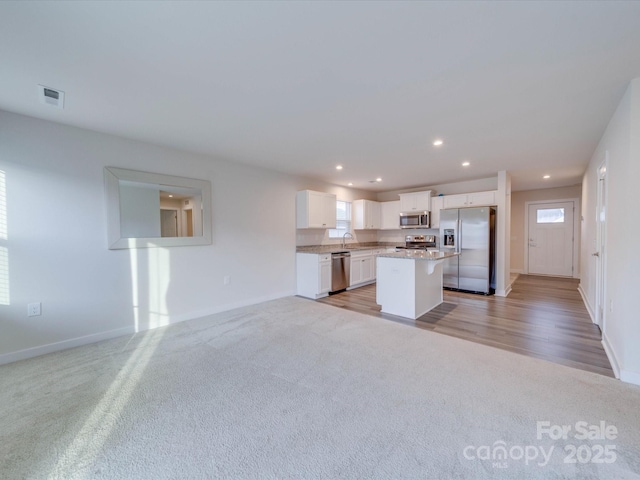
51	96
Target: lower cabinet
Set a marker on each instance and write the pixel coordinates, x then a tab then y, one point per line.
313	274
363	266
313	271
362	269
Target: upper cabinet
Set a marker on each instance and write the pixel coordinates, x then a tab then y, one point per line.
390	215
437	204
478	199
315	209
415	201
366	215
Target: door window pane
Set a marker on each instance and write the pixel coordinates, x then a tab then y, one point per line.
550	215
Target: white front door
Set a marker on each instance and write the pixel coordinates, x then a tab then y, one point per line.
551	240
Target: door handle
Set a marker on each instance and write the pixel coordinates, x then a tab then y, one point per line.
596	254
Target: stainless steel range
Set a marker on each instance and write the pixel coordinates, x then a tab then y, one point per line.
419	242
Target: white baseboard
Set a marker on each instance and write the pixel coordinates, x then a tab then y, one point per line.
611	355
63	345
130	330
229	306
624	375
586	303
630	377
503	293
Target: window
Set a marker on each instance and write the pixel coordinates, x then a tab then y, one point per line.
343	220
550	215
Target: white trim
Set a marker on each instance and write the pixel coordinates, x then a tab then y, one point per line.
611	355
130	330
358	285
63	345
230	306
601	245
585	300
503	293
576	231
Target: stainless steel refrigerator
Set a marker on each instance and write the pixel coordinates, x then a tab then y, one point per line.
471	232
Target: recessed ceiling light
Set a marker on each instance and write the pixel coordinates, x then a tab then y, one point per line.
546	176
378	179
437	143
170	196
466	164
338	167
350	184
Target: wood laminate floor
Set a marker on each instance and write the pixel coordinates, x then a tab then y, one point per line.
543	317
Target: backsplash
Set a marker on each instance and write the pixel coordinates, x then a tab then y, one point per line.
321	237
397	236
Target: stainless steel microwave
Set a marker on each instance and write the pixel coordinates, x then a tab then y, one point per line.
415	219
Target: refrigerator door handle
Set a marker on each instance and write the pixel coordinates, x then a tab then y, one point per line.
459	235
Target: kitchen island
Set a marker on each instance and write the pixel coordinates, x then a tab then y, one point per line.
409	283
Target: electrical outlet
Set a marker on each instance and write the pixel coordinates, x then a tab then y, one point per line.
227	279
610	305
34	309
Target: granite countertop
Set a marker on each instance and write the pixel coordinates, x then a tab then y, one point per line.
419	255
349	248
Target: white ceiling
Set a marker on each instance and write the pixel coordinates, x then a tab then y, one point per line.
302	86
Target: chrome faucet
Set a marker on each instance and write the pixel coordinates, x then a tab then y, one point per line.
344	239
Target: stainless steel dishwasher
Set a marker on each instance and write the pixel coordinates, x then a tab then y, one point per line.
340	268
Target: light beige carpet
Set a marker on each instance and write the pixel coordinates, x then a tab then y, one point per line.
296	389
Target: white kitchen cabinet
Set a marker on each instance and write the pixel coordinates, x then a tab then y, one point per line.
313	274
436	205
477	199
325	276
362	268
415	201
390	215
315	209
366	215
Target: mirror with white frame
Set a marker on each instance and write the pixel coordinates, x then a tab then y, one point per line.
154	210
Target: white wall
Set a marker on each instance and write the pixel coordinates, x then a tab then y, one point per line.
621	143
57	239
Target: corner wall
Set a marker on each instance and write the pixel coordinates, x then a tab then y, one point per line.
56	240
621	145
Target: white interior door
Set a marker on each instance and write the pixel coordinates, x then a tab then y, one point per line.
169	223
599	254
551	240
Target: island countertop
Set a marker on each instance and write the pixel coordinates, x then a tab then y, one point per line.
419	255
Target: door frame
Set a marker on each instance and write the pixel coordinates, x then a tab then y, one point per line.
600	314
576	231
